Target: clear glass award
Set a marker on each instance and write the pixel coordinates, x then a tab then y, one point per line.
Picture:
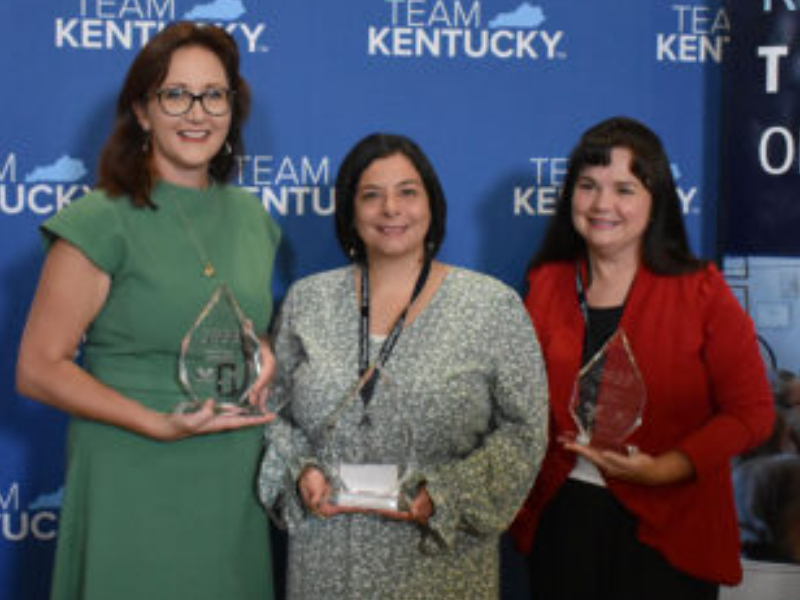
220	357
387	450
609	396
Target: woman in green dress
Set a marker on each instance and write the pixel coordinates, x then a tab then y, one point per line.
158	504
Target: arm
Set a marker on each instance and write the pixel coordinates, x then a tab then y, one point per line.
481	492
288	456
742	402
259	395
71	292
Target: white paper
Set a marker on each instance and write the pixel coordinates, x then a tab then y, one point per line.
369	486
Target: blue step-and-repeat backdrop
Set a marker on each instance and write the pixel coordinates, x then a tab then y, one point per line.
495	91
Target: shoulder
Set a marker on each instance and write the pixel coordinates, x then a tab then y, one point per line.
551	287
247	207
709	279
311	298
480	285
94	225
322	284
94	215
490	311
702	294
483	299
702	285
95	204
238	195
241	200
551	274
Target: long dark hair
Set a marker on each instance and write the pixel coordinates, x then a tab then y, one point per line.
665	246
124	168
362	155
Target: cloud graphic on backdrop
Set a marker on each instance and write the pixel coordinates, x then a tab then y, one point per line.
525	16
65	169
46	501
218	10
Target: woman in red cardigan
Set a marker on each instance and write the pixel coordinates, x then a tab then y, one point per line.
652	517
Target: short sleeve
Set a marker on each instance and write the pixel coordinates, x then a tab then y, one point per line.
93	225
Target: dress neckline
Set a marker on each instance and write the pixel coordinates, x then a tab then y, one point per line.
430	305
166	194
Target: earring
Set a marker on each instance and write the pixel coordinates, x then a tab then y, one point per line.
227	149
146	142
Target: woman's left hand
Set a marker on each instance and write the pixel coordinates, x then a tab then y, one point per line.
260	391
422	507
636	466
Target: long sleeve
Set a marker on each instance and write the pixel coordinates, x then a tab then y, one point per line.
744	413
481	492
287	450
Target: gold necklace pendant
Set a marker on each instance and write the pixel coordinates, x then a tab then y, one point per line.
208	267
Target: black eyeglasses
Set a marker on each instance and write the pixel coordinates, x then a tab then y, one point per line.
177	101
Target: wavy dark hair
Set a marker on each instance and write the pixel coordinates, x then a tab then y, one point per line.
665	245
362	155
124	169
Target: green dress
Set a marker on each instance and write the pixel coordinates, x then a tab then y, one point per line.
143	519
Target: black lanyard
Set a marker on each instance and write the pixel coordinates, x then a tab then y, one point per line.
581	291
605	323
368	387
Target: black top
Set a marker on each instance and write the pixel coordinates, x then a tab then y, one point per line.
601	325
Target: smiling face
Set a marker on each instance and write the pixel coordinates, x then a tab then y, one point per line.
392	209
183	146
611	208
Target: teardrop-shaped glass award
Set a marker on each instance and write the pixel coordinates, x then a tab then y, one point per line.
220	357
385	446
609	396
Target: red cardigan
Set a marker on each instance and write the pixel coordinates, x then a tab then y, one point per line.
707	395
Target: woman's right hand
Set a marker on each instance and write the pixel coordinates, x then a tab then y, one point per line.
316	492
177	426
636	467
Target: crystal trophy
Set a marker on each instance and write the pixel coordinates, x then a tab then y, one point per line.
609	396
374	480
220	357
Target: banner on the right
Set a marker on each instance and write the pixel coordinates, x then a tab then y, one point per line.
760	166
